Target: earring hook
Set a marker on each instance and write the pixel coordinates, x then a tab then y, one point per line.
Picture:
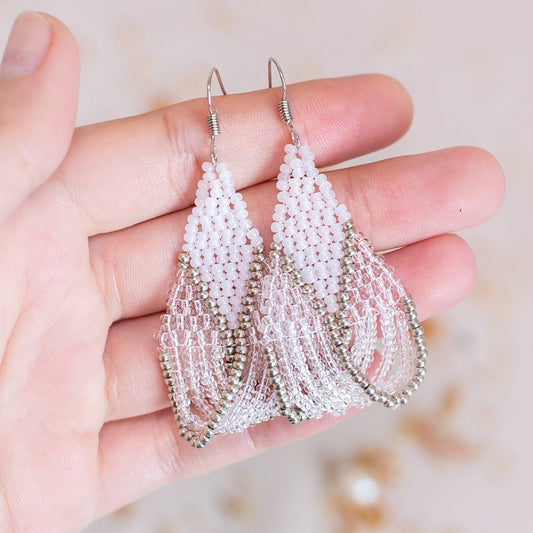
281	76
212	118
283	105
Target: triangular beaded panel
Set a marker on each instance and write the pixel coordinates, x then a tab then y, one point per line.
220	240
308	223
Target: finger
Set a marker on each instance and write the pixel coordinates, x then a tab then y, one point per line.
130	170
393	202
38	100
437	272
161	456
139	454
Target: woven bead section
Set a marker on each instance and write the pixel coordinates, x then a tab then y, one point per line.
308	223
219	239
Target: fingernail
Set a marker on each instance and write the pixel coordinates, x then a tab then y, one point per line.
27	46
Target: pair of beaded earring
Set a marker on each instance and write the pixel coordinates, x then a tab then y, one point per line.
317	325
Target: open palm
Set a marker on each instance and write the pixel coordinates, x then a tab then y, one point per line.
90	224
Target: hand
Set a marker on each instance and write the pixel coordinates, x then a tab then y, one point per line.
91	221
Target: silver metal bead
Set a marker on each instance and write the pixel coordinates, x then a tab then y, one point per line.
345	287
202	286
370	389
252	291
274	254
239	333
256	267
243	318
247	300
241	350
220	319
343	322
348	269
233	380
348	224
418	332
350	233
210	303
237	365
350	252
184	258
248	309
343	297
420	372
412	316
409	308
259	258
341	349
235	372
329	318
347	363
256	275
216	418
276	246
334	334
268	349
259	249
229	394
358	376
365	383
407	299
419	341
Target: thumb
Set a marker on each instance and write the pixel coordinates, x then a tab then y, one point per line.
39	78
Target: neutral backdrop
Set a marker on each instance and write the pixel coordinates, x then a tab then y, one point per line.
458	458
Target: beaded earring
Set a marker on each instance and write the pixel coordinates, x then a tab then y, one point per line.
203	341
317	326
338	329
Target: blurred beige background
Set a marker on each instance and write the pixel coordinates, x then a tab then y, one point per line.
458	459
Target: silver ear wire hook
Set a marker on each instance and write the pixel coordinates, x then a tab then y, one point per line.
212	118
283	106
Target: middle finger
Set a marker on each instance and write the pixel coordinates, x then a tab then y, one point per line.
394	202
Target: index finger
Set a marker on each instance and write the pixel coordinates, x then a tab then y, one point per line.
126	171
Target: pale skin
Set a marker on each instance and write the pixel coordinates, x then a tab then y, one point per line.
91	221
